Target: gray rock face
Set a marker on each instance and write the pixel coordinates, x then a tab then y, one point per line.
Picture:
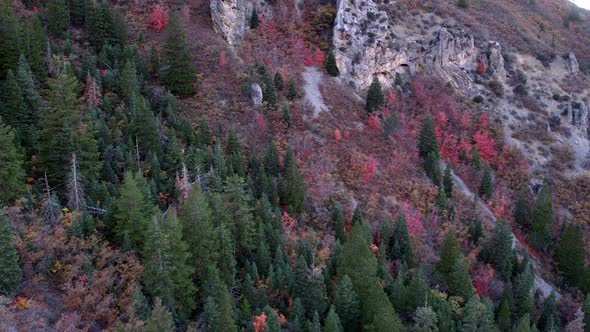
495	60
364	46
578	117
231	18
256	94
572	64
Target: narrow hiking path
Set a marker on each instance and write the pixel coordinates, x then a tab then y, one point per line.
487	216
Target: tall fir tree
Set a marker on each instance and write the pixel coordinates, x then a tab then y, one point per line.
133	211
347	305
13	108
33	102
57	16
296	187
333	323
9	265
292	94
128	82
254	20
459	281
549	320
178	72
157	275
524	324
375	98
497	250
331	66
542	219
160	318
358	262
12	175
432	168
225	319
58	126
339	223
270	95
521	211
571	255
278	81
449	254
36	47
427	141
400	242
586	310
9	41
486	188
425	320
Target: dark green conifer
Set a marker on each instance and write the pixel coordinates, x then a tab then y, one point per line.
9	266
400	242
254	20
270	95
571	255
448	182
347	305
449	253
292	89
542	220
375	98
331	66
9	41
278	81
521	211
497	250
57	15
12	175
427	141
339	223
178	73
486	187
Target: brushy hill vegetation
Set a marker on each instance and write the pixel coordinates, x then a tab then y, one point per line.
145	192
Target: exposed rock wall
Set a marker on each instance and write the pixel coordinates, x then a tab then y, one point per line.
231	18
572	64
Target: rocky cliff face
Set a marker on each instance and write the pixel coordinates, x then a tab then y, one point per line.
231	18
367	44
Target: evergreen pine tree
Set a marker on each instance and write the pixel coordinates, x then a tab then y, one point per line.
331	66
542	220
449	254
441	199
571	255
315	323
11	167
13	108
476	231
160	319
133	210
58	127
178	73
400	242
427	141
9	266
523	299
375	98
448	182
432	168
524	324
549	320
295	184
128	82
157	275
9	41
339	223
358	262
272	323
270	95
225	320
254	20
463	3
36	48
486	187
57	15
586	309
347	305
475	159
77	10
333	321
504	320
278	81
497	250
425	320
418	291
521	211
292	89
459	281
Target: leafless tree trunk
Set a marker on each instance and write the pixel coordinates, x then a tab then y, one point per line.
76	196
50	209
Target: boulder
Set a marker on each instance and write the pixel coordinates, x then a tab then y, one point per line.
256	94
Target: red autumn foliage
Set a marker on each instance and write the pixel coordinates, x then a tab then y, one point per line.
482	278
261	123
319	57
413	219
337	135
369	169
486	146
222	59
392	97
374	122
481	68
260	322
158	18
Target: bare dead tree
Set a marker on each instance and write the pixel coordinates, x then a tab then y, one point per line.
50	209
75	193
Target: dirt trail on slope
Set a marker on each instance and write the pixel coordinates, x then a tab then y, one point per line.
487	216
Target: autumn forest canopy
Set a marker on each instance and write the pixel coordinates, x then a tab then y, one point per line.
157	174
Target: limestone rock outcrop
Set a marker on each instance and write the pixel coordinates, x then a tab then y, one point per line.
572	64
231	18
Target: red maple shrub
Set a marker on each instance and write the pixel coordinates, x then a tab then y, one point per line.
369	169
158	18
374	122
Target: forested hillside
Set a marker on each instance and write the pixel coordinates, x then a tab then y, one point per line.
196	165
